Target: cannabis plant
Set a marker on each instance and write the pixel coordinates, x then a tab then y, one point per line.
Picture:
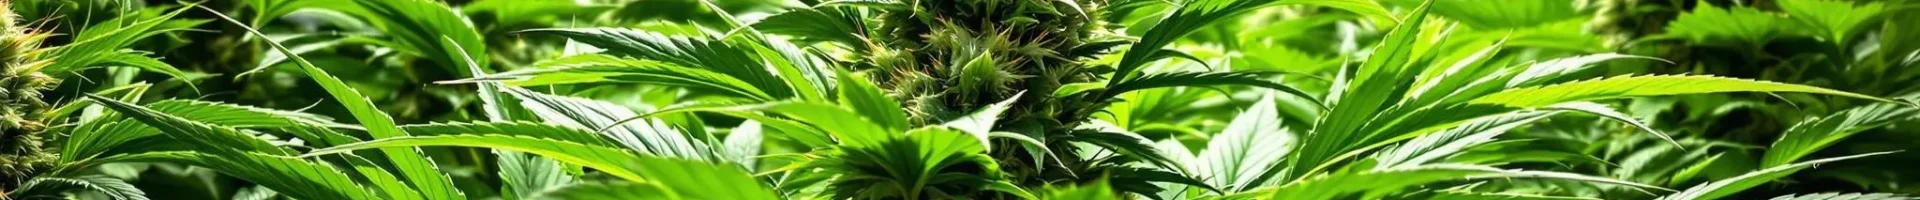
1815	42
1412	86
941	58
991	99
936	62
33	164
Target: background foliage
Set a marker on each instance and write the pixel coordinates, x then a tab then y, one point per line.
959	99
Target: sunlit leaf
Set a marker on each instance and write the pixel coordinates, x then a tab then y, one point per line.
596	68
204	137
515	128
646	136
1813	134
1499	196
610	160
872	102
1376	184
1248	151
103	44
703	53
1638	86
816	24
1194	79
980	123
1549	70
1360	98
743	144
1608	112
672	179
1432	147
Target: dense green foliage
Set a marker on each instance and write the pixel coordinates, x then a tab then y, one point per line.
959	99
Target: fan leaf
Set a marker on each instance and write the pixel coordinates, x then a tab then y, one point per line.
1638	86
611	160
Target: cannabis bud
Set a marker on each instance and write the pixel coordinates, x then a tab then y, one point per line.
946	57
21	137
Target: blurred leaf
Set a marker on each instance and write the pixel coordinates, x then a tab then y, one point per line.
424	25
1737	25
1724	187
1087	191
1450	195
1282	58
513	13
1505	14
140	60
1844	196
889	5
255	193
606	190
291	176
1837	19
1571	35
270	59
1192	15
